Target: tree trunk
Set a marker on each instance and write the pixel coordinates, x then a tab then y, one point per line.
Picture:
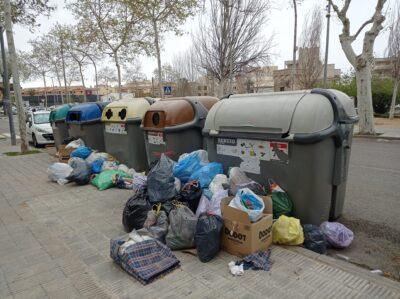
15	75
157	45
59	83
221	89
83	83
364	100
119	75
97	81
45	89
64	73
293	74
394	96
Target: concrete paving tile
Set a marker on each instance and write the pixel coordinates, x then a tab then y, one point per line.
33	293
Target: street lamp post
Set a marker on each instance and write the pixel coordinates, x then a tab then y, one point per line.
328	18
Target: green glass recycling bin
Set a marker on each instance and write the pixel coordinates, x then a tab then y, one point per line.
58	124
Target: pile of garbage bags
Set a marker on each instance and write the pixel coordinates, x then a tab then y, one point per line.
98	168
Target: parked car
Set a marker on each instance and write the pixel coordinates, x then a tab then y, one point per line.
38	128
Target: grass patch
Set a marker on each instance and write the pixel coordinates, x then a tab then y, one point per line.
14	154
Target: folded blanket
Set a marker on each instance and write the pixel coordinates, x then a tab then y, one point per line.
146	260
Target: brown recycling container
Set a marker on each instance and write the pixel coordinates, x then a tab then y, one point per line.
173	126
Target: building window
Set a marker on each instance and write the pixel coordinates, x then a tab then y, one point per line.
282	89
199	88
199	94
205	88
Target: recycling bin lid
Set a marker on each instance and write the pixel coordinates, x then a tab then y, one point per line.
59	113
295	112
125	110
86	112
177	111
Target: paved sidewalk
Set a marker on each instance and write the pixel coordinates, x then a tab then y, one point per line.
385	127
54	242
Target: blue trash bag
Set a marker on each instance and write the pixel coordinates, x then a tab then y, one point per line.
97	165
81	152
188	164
207	173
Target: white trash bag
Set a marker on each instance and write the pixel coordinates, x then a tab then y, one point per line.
58	172
75	143
247	201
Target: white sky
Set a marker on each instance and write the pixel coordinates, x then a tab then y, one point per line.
280	24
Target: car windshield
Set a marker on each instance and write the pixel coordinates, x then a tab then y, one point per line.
41	118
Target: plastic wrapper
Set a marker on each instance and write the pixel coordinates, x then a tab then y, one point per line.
135	211
189	163
208	237
207	173
182	227
239	180
287	231
110	165
161	181
247	201
336	234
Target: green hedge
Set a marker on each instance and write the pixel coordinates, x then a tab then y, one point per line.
382	89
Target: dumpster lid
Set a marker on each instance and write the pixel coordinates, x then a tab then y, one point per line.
86	112
59	113
177	111
302	112
125	109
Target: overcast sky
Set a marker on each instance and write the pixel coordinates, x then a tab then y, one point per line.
280	25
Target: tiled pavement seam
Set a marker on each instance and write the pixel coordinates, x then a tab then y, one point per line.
63	232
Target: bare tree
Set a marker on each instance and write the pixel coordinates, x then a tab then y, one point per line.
107	76
232	41
393	50
310	65
294	4
184	65
119	31
164	16
363	62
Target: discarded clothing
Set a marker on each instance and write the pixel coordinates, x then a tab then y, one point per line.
137	182
258	261
146	261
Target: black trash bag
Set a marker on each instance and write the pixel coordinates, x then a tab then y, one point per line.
314	239
161	181
169	205
208	236
81	171
191	194
68	140
135	211
155	226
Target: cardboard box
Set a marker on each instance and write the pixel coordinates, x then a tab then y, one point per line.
242	237
64	153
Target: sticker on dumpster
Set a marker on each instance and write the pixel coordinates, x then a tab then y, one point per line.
251	165
253	149
115	129
155	138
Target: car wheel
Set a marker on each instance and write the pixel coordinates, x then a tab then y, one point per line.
34	141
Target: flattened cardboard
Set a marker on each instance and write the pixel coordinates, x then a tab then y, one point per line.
242	237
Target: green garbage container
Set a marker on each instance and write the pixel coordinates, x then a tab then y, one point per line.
173	126
301	139
123	137
84	121
58	124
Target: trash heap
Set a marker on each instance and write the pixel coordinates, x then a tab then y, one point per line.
191	204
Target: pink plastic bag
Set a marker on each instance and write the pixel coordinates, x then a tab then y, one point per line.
337	234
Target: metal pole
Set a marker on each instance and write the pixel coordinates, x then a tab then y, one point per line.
328	17
6	88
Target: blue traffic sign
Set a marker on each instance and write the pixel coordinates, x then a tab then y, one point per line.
167	90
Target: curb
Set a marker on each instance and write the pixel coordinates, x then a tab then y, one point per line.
376	137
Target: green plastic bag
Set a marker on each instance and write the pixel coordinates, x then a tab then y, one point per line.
281	202
104	180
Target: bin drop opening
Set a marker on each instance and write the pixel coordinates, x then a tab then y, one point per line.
156	119
109	113
122	114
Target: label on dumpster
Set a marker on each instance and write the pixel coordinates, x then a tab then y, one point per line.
250	150
115	129
155	138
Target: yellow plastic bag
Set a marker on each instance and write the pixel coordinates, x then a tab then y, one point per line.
287	231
